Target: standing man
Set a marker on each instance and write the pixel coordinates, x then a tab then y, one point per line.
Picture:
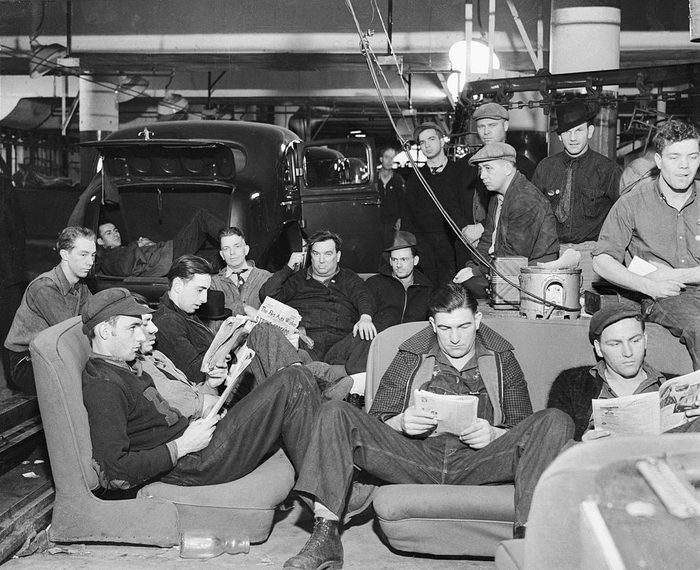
50	299
659	222
451	181
454	354
519	221
240	280
391	193
333	302
580	184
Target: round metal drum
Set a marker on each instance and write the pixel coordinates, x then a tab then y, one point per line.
559	286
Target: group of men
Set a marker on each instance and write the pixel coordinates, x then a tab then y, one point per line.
147	398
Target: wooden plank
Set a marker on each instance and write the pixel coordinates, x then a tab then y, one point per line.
19	491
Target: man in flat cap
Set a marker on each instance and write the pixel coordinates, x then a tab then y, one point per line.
137	437
617	334
453	184
581	184
519	221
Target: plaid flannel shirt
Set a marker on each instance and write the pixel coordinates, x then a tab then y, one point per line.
393	393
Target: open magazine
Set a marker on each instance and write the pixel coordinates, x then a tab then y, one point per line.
231	333
652	412
453	413
244	356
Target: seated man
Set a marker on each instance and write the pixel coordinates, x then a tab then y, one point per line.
617	333
519	221
137	437
454	354
334	302
240	280
183	336
145	258
658	222
191	400
50	299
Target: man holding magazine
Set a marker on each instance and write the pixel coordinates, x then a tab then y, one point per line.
396	442
617	333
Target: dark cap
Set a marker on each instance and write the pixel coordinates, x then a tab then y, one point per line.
608	315
402	240
572	114
490	111
115	302
214	309
425	126
494	151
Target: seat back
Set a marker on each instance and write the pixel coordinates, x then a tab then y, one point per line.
59	355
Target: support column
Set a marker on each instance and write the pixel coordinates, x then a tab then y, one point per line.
99	116
585	36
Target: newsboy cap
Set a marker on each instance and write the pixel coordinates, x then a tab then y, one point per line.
115	302
494	151
490	111
425	126
608	315
402	240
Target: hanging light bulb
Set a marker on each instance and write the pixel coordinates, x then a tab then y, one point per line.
479	63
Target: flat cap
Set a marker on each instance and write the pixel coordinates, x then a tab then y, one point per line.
115	302
490	111
402	240
608	315
494	151
425	126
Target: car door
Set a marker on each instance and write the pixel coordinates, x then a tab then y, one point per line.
339	192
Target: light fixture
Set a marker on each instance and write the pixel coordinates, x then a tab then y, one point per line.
172	103
44	58
130	86
479	63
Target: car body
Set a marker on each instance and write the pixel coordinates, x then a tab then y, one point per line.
259	177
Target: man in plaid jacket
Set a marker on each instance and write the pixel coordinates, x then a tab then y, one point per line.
397	442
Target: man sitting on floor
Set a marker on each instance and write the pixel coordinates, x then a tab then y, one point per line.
657	222
137	437
617	333
519	221
454	354
50	299
145	258
334	302
240	280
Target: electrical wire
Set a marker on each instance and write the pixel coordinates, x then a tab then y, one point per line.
406	145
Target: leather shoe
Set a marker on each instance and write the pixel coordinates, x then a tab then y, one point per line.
323	550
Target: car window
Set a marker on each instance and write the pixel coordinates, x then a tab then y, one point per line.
338	164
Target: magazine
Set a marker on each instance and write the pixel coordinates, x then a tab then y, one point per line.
231	333
453	413
652	412
244	355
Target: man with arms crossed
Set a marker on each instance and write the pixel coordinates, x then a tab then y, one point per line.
659	222
454	354
50	299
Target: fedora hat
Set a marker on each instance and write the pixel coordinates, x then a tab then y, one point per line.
402	240
214	308
573	113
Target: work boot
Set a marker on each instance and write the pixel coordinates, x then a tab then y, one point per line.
323	550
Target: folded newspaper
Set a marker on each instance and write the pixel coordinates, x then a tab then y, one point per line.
453	413
282	316
650	413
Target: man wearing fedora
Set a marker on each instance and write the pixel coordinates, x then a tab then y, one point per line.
402	293
240	280
581	184
519	221
452	183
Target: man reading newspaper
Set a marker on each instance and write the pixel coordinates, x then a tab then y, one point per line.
617	333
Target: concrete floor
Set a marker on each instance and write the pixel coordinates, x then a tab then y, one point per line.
363	550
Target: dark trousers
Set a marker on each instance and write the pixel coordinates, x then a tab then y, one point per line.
346	436
478	285
681	316
437	256
284	407
193	234
351	352
21	372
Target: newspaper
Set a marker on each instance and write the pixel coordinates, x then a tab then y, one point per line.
282	316
453	413
226	339
244	355
650	413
